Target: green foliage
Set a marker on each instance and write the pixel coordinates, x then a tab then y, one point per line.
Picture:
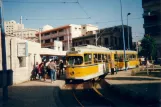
148	47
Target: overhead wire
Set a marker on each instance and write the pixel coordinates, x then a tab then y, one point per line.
8	1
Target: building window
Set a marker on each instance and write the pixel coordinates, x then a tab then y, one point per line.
22	61
106	42
54	32
80	43
47	41
84	27
115	40
30	33
61	30
87	41
61	38
54	39
46	34
75	28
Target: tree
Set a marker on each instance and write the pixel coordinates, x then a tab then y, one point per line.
148	47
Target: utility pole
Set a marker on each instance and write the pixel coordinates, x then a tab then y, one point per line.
123	37
3	43
128	31
96	38
68	39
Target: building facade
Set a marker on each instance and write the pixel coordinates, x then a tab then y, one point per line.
27	33
108	37
12	26
65	34
152	21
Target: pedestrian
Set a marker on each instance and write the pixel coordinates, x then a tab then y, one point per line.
36	70
112	67
61	66
52	67
47	68
44	71
40	71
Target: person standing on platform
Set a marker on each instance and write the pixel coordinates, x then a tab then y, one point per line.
112	67
52	67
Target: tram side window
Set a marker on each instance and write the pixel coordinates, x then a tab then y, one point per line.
116	57
133	56
128	57
105	58
99	58
121	58
95	56
88	58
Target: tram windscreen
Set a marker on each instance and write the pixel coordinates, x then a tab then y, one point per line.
75	60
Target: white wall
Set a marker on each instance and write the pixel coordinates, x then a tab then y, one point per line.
21	74
58	45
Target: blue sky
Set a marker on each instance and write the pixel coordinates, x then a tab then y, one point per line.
99	11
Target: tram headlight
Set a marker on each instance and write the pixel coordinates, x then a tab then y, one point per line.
72	73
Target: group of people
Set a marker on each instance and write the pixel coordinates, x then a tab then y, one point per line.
52	69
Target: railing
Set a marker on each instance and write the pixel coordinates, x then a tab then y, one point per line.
47	44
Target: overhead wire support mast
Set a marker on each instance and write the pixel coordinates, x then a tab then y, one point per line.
123	37
3	43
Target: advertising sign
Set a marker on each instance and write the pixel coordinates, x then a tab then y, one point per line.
22	49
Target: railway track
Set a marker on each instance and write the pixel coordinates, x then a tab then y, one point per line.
91	97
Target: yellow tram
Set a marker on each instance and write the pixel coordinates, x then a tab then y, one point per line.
88	62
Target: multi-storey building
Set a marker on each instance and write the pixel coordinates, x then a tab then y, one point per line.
64	34
152	21
27	33
107	37
11	26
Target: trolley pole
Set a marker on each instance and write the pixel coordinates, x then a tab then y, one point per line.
123	35
3	44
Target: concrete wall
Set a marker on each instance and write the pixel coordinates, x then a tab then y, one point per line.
21	74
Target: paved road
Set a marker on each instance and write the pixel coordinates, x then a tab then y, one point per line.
32	94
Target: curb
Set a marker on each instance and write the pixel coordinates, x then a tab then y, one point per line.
130	95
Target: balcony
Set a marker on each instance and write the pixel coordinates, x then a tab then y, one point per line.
47	44
46	37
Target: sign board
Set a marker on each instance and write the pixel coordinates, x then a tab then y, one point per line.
22	49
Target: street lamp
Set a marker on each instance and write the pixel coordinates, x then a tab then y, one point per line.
123	35
128	30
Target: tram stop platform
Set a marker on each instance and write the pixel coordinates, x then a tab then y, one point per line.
33	94
138	88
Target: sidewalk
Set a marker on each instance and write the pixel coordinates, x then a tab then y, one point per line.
33	94
140	89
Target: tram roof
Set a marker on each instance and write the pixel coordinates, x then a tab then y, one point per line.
92	48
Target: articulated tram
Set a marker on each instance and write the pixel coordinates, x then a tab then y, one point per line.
89	62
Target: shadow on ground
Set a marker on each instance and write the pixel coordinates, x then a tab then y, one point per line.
152	73
143	94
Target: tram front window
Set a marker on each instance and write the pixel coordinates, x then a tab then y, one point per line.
75	60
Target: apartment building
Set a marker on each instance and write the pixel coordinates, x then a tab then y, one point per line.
26	33
11	26
108	37
65	34
152	21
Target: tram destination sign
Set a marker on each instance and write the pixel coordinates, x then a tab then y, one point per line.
22	49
